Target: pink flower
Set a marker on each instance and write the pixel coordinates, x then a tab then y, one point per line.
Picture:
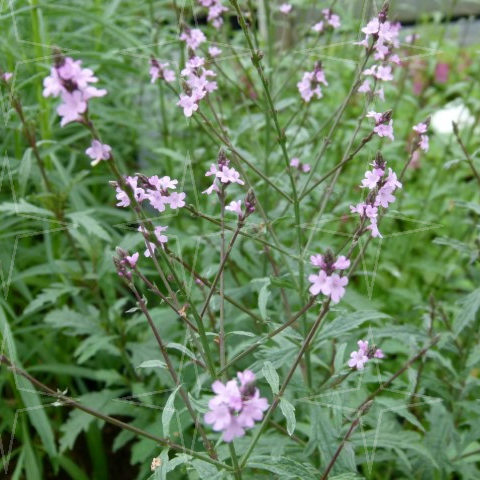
373	227
252	410
236	207
98	151
285	8
384	73
72	108
160	70
357	360
424	143
212	188
6	76
371	180
342	263
319	283
193	38
364	87
246	378
385	130
234	409
306	168
336	287
309	86
229	175
317	261
421	128
150	247
220	417
363	346
158	200
176	200
318	27
379	353
188	103
132	260
214	51
294	162
160	236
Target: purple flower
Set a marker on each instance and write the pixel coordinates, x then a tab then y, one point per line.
318	27
72	108
235	207
309	86
160	236
336	287
188	103
132	259
160	70
235	408
193	38
176	200
424	143
385	130
70	81
342	263
98	151
357	360
214	51
285	8
319	283
421	128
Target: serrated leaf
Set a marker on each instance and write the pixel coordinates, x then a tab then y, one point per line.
271	376
470	306
90	224
168	411
288	411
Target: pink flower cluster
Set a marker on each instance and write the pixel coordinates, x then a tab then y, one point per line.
160	70
71	82
326	281
155	190
384	37
359	358
197	83
193	37
236	406
222	173
309	86
330	20
383	124
303	167
215	10
421	129
382	185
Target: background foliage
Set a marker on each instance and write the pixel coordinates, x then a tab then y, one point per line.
74	325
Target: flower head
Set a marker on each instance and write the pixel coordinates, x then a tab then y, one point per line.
98	151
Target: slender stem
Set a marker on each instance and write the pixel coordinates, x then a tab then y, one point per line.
223	260
220	274
278	396
465	152
171	370
112	420
272	334
365	405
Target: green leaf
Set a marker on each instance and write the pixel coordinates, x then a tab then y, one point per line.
168	411
467	314
49	295
284	467
89	224
271	376
30	397
152	364
288	411
263	296
25	208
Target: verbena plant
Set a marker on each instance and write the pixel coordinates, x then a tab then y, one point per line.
214	260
